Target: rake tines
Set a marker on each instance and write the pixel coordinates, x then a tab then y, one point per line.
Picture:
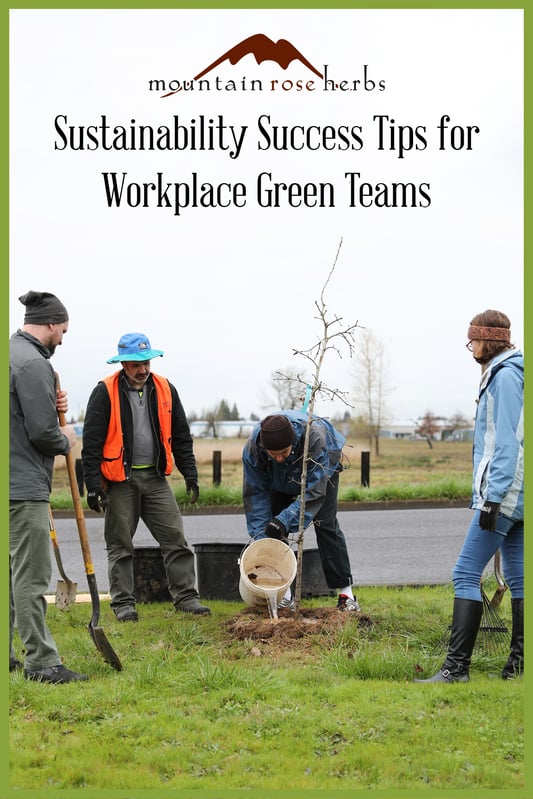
493	637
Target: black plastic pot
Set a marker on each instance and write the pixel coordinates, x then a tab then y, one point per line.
149	578
217	570
217	573
313	580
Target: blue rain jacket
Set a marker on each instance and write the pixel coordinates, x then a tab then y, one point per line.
498	457
261	474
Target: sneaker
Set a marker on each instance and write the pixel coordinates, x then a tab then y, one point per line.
347	603
54	674
286	604
14	664
193	606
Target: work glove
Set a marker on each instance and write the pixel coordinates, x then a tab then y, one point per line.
191	484
276	529
96	499
488	515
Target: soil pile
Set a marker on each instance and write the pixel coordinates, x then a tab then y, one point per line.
290	631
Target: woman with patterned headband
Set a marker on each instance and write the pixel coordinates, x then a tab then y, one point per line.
497	497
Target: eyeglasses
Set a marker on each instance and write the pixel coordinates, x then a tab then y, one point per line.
469	346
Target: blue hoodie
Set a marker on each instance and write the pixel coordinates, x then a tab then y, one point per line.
261	474
498	469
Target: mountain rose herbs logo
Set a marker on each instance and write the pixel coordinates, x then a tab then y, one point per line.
283	53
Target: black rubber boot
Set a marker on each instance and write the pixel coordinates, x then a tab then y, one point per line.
515	665
465	625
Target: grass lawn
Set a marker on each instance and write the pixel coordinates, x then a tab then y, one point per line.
197	708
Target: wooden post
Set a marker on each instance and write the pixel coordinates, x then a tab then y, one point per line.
217	467
365	469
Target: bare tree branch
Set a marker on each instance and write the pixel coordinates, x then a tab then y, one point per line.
334	335
372	386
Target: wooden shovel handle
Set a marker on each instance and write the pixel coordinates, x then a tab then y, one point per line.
78	507
496	600
497	570
97	633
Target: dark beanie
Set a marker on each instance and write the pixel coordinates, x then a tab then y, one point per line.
43	308
276	432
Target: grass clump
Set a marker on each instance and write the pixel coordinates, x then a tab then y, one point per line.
449	488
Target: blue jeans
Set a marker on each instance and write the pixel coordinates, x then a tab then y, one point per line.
479	547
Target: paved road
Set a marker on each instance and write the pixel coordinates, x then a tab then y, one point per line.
387	547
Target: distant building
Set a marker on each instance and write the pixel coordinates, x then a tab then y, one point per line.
465	434
398	429
229	429
407	429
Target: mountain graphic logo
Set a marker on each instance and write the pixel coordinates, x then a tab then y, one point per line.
262	48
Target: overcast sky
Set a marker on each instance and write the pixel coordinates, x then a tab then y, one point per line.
229	293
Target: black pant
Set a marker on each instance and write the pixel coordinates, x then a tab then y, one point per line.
329	536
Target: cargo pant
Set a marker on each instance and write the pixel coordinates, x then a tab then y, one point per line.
148	497
30	572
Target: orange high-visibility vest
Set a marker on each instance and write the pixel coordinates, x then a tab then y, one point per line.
112	456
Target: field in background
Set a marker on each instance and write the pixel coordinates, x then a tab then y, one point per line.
400	461
404	470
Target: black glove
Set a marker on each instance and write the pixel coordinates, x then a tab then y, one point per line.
489	515
96	499
191	484
276	529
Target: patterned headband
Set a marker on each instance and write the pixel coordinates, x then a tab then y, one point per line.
478	333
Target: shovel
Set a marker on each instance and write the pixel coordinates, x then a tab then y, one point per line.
65	588
97	633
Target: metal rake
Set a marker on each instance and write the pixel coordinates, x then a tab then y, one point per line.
493	638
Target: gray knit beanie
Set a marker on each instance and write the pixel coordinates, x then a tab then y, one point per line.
43	308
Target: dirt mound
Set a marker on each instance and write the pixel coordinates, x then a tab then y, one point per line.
290	631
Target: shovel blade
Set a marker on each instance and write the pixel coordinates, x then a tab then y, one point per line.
104	647
65	594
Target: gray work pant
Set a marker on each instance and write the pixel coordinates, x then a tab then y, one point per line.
30	572
148	497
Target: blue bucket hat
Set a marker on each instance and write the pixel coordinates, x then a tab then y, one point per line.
134	347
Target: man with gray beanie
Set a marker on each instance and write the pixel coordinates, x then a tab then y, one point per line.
35	438
272	471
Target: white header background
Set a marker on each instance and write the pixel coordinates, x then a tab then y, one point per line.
228	293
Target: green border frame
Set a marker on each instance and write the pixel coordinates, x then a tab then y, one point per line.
5	7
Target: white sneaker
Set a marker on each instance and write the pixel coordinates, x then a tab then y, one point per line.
345	602
286	604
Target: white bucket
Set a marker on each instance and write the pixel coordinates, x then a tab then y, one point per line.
267	568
